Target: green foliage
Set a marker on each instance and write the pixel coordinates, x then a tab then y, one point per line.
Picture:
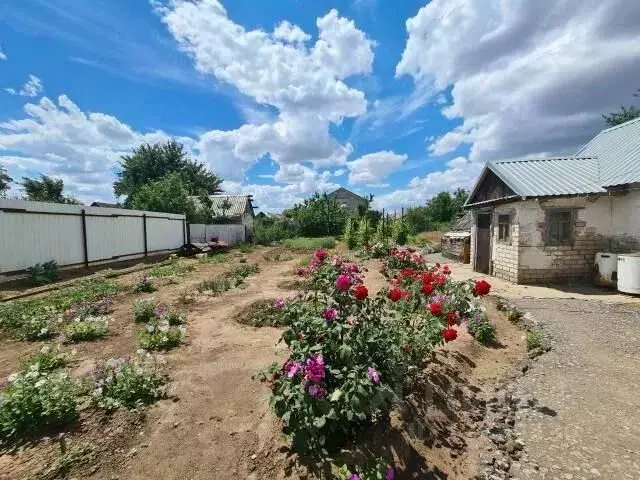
47	189
278	313
534	339
171	268
350	235
364	232
36	318
514	314
217	285
5	181
168	195
214	258
47	359
244	271
144	285
400	232
623	115
151	163
34	401
269	229
144	310
129	382
159	335
305	243
482	329
245	247
318	215
438	213
43	273
85	329
380	235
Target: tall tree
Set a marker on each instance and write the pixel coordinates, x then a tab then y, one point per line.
5	180
47	189
623	115
150	163
167	195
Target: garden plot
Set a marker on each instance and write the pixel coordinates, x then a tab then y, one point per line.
216	420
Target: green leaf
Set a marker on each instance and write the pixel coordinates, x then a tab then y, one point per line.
336	395
332	415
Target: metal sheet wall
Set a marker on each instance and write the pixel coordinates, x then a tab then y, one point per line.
231	234
36	232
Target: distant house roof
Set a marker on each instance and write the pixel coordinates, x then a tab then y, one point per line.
611	158
462	224
106	205
343	191
240	204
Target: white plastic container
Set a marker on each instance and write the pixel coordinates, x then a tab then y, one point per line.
629	273
606	269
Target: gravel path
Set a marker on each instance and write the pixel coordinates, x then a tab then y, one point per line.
579	411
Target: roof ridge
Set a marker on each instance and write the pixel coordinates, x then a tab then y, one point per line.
543	159
615	127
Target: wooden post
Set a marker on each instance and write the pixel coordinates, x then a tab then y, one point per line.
144	233
84	239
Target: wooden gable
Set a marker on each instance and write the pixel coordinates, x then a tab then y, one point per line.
490	188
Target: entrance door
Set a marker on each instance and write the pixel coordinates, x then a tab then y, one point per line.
483	243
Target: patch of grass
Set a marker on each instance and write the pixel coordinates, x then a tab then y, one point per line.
171	268
534	339
245	270
278	255
217	285
214	258
36	318
246	247
310	243
80	454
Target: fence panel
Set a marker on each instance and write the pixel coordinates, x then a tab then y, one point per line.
36	232
232	234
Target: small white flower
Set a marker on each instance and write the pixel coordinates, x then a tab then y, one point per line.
140	351
150	328
13	377
163	328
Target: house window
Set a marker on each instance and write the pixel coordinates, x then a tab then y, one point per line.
559	227
504	227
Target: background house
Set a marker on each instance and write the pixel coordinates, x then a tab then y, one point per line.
456	243
349	200
234	209
543	220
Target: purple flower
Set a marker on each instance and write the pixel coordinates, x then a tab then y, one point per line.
330	314
292	368
161	311
343	282
317	392
315	369
280	303
391	473
373	374
355	476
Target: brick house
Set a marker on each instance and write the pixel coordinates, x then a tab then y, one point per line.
349	200
543	220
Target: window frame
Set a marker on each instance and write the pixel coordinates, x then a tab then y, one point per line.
571	223
506	238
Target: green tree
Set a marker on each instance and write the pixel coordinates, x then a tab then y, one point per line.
317	216
350	237
149	163
5	180
47	189
167	195
623	115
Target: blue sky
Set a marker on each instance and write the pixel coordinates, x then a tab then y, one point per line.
284	98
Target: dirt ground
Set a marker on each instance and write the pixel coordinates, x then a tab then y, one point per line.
217	423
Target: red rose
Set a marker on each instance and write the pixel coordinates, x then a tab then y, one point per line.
440	280
449	334
446	270
427	288
395	294
438	265
435	308
481	288
427	277
360	292
406	348
452	318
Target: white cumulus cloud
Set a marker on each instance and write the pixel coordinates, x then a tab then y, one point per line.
32	88
373	167
3	56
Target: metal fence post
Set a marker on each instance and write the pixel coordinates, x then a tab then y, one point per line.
84	239
144	233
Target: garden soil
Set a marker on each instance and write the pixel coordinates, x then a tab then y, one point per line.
216	423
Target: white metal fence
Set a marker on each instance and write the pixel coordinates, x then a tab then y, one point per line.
231	234
36	232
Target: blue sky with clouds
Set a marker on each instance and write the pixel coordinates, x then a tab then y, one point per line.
399	99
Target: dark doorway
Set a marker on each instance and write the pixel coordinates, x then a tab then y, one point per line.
483	243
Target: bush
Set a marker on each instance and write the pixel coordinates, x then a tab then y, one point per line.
174	318
318	215
144	285
47	359
85	329
144	310
513	314
161	336
245	247
271	229
400	232
534	339
306	243
129	382
42	274
350	235
481	329
34	401
244	271
364	232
